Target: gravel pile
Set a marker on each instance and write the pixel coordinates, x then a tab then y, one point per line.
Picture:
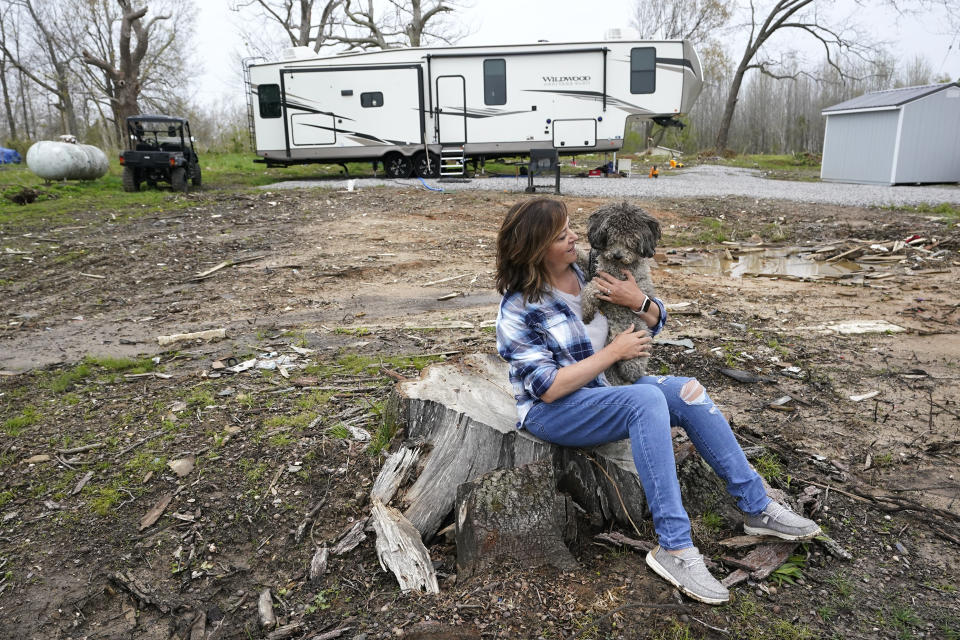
699	181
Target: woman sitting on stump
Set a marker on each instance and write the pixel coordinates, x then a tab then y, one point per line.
556	369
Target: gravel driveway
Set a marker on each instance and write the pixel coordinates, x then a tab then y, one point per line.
699	181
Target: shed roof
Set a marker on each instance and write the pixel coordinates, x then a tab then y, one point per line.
890	98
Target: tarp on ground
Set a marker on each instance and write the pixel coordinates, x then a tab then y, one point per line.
9	156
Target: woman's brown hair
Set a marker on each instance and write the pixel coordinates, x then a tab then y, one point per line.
525	235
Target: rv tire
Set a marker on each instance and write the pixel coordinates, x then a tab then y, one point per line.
420	165
397	165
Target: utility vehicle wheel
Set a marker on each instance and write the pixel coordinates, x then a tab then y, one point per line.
178	179
195	175
420	165
397	166
130	182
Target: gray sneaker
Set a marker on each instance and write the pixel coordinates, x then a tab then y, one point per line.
688	574
777	520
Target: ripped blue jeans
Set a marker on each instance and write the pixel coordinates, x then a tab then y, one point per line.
644	412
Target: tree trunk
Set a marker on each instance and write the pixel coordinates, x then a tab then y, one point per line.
730	106
66	101
514	514
23	104
7	106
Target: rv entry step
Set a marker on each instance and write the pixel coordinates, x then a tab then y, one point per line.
451	161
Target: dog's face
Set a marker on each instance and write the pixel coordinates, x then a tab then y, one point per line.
623	233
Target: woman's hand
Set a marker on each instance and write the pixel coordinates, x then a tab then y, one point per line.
625	293
631	344
626	345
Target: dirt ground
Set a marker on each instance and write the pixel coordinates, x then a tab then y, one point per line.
362	286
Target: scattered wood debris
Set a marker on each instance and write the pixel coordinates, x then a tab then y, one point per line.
210	334
401	551
155	512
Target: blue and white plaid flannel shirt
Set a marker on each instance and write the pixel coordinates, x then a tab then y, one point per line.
538	338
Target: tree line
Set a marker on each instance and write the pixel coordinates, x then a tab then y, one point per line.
82	66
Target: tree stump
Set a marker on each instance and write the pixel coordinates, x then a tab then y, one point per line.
463	417
514	514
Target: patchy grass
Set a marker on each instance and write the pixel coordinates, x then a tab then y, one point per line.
297	421
340	432
948	211
281	440
768	465
70	378
747	621
103	499
713	232
145	462
712	521
18	424
200	396
356	364
314	400
773	161
385	432
122	365
58	202
6	496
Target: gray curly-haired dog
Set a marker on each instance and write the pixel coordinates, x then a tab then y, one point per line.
622	236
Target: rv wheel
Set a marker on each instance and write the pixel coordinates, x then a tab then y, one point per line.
420	165
397	166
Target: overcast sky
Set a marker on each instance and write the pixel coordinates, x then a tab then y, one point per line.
515	21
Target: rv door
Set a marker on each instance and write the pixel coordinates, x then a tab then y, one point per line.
451	110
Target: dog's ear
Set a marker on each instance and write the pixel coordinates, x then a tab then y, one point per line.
597	229
647	236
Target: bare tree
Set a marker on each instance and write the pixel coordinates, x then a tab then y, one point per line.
413	23
145	61
838	41
306	23
54	73
694	20
918	71
782	15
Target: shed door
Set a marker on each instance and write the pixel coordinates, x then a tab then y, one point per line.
451	110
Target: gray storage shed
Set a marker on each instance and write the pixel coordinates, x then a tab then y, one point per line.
909	135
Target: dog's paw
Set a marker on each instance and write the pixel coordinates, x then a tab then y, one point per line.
589	301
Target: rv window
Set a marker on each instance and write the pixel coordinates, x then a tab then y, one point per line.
371	99
643	70
495	81
269	100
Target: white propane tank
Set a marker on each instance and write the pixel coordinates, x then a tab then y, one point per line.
66	160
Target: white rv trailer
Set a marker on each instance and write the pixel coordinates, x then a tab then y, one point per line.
407	108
